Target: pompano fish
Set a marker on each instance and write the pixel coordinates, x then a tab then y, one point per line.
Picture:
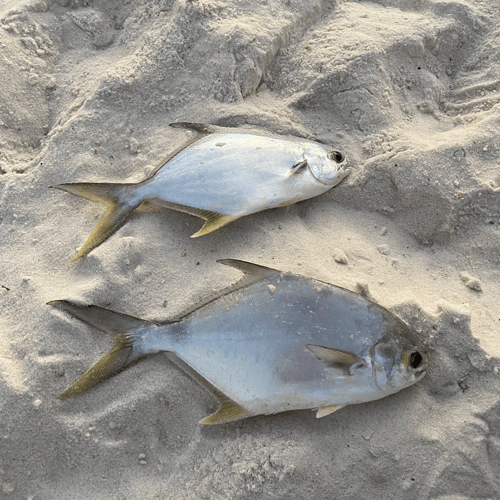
220	175
269	343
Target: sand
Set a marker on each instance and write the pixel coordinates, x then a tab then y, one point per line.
409	90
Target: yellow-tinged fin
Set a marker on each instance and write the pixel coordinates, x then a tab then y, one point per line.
119	208
124	352
213	221
98	192
327	410
107	366
336	358
228	411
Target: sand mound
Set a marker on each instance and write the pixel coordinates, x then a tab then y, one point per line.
410	90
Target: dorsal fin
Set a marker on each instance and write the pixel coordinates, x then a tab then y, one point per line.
202	128
253	274
201	131
250	269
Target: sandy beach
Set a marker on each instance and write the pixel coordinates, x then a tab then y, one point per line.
409	90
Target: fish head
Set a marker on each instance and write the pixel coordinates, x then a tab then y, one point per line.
398	361
329	169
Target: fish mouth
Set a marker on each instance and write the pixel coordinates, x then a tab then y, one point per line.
344	165
344	170
420	373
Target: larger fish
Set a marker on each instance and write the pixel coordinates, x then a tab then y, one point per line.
271	342
220	175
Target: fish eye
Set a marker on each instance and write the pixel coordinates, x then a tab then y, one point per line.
336	156
415	359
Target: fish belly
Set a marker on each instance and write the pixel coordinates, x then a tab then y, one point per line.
255	386
234	174
251	345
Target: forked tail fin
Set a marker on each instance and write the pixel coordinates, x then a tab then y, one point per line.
120	204
125	351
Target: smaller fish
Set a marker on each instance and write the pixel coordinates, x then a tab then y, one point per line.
219	175
271	342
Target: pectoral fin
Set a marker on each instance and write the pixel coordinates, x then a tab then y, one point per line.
336	358
298	168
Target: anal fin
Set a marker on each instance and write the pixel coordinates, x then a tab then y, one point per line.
228	411
327	410
213	221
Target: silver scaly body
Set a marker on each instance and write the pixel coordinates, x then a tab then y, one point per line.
220	175
282	342
240	174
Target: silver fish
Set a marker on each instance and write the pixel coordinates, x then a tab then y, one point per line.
220	175
269	343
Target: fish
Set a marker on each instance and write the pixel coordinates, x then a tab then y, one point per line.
220	174
269	343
